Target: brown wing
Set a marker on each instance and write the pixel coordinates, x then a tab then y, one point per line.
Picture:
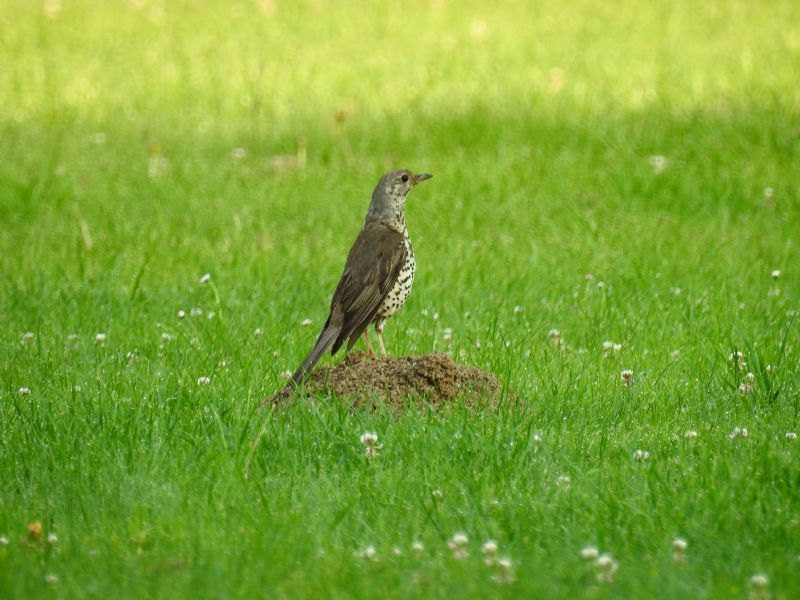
371	271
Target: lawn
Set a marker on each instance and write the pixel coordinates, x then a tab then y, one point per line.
616	187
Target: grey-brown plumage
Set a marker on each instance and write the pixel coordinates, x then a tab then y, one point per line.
378	273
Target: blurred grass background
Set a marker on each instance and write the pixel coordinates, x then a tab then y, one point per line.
654	146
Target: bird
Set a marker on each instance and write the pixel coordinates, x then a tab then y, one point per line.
377	276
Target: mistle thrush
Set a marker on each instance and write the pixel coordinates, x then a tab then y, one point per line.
378	274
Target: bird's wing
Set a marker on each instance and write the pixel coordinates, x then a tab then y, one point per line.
371	271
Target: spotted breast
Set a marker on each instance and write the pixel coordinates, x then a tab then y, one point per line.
401	290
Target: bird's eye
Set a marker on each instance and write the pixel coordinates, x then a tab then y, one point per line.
404	178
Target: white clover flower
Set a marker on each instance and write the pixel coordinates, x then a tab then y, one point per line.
286	373
745	388
370	441
601	284
768	193
210	314
205	279
517	310
504	572
51	578
306	322
759	587
489	547
605	567
776	273
658	163
563	481
589	553
458	544
691	434
738	358
4	540
195	312
28	337
418	547
369	554
627	377
52	538
203	380
181	314
738	432
641	455
435	316
100	338
679	544
23	391
791	435
258	332
438	494
770	369
166	337
447	334
396	551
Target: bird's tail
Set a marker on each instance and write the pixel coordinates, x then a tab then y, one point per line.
325	340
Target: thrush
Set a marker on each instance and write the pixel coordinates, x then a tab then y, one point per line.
377	276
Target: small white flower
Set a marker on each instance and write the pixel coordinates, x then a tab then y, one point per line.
51	578
28	337
211	314
659	163
23	391
627	377
370	441
203	380
563	481
690	435
738	432
601	284
306	322
100	338
745	388
435	316
369	554
166	337
3	540
517	310
738	358
258	332
759	580
52	538
438	494
181	314
589	553
458	544
72	337
396	551
791	435
447	334
770	369
286	373
504	572
679	544
418	547
641	455
768	193
76	389
605	567
205	279
195	312
238	154
776	273
489	547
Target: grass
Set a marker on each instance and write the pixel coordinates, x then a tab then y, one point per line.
118	191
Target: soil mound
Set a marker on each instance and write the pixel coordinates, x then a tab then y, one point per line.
434	378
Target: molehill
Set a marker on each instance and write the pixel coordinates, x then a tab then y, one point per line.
433	378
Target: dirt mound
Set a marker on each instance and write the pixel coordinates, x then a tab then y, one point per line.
434	378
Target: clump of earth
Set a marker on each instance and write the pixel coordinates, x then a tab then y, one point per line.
433	378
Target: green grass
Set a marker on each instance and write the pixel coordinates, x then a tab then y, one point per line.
539	122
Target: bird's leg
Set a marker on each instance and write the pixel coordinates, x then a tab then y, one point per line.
379	330
369	344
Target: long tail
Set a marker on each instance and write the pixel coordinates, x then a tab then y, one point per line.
324	342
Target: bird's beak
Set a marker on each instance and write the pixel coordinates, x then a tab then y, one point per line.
420	177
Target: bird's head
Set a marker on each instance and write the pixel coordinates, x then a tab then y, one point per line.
389	196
